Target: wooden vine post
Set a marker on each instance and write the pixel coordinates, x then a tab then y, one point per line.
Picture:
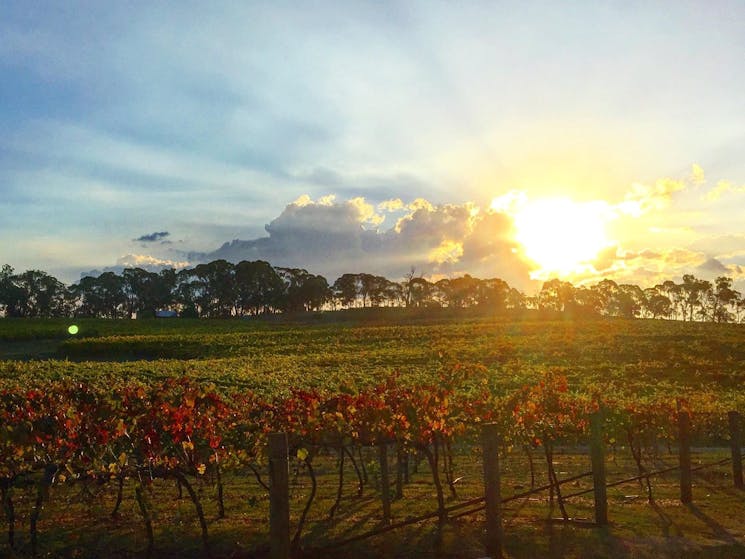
735	440
385	482
684	452
597	457
401	468
492	492
279	496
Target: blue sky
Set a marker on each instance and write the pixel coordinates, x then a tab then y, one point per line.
207	121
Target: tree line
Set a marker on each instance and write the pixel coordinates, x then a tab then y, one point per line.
221	289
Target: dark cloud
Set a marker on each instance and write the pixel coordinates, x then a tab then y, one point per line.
713	265
152	237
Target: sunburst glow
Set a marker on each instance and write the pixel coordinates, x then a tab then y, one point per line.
560	235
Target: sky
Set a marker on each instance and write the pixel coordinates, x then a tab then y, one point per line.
520	140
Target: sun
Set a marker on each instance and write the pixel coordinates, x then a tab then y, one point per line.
560	235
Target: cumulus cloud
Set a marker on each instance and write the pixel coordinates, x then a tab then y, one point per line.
305	216
153	237
392	205
388	236
697	174
144	261
672	260
511	202
644	198
149	262
605	259
648	267
447	252
333	237
721	188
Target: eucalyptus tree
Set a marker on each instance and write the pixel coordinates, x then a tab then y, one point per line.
724	300
516	299
492	293
587	302
628	301
656	304
674	294
393	293
135	280
462	291
368	287
606	291
215	289
379	290
346	290
694	290
146	292
101	296
303	291
258	287
185	293
11	294
35	293
556	295
419	292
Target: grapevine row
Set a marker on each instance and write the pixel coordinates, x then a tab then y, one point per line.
65	430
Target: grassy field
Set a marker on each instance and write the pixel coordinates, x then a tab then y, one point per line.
650	355
353	350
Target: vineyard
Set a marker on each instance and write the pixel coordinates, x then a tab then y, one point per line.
147	438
